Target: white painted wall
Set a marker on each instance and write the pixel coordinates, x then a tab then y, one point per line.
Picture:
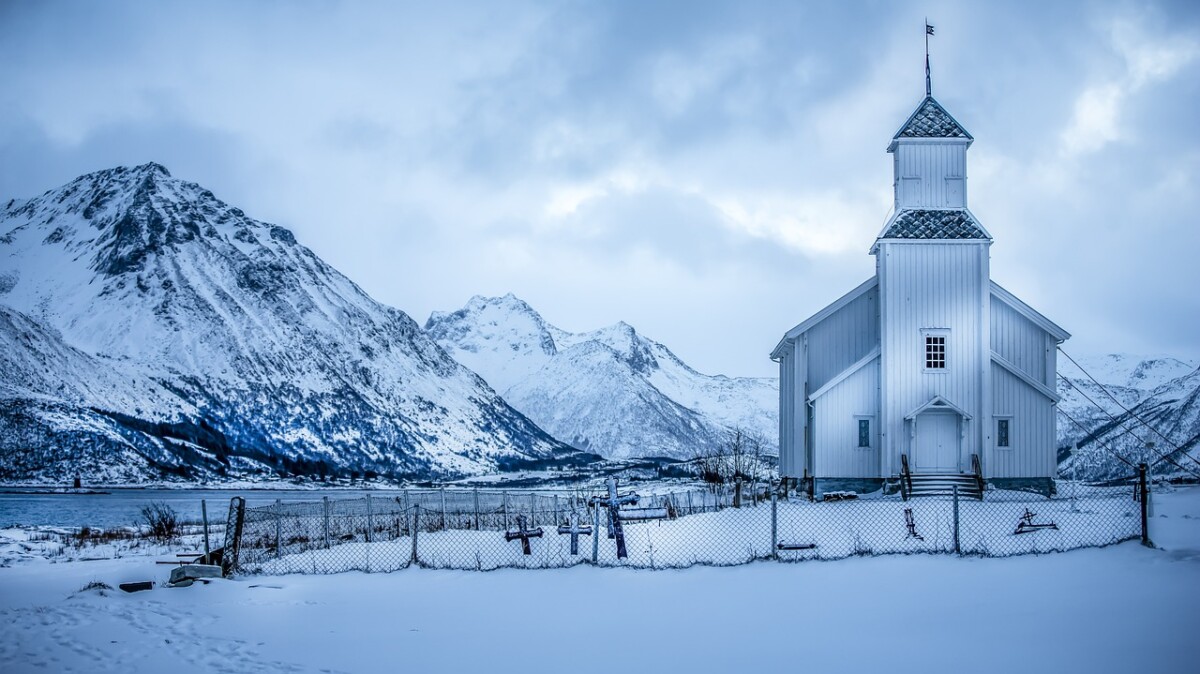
938	285
930	174
1031	451
835	426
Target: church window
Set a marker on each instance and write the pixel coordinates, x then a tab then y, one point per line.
935	352
1002	432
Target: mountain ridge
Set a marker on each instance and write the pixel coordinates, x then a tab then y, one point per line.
290	361
610	390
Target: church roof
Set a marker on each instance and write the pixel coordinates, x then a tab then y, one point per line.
934	224
930	120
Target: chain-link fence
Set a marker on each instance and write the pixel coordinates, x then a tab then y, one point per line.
483	530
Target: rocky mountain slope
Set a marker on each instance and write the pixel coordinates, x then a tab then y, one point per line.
611	391
1162	392
152	330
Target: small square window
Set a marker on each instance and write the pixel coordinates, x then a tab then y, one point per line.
935	352
864	432
1002	432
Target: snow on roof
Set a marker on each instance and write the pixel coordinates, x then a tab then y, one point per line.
934	224
930	120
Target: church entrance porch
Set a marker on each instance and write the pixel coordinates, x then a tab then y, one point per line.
936	431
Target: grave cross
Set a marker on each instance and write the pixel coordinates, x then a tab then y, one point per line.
524	534
1027	525
576	530
614	502
912	525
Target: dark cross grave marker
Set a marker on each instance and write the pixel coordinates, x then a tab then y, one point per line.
614	502
524	534
1027	525
912	525
575	529
796	546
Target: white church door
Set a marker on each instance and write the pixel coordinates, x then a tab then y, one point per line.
935	447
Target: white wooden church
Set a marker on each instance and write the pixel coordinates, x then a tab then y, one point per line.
929	369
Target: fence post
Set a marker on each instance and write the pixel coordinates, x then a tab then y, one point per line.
532	509
557	519
1143	489
476	508
506	511
278	528
204	517
774	526
325	502
370	519
416	528
595	534
957	549
690	511
443	508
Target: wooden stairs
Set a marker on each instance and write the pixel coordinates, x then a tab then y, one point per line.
942	484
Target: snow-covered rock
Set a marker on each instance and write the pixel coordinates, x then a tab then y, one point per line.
152	322
611	391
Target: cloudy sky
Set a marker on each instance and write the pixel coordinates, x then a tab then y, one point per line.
711	173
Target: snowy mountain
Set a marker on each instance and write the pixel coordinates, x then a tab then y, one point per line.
1161	391
611	391
152	330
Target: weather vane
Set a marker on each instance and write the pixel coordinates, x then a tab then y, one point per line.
928	83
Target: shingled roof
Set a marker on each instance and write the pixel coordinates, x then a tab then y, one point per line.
932	121
930	224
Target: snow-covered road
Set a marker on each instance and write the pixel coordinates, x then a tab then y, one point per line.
1119	609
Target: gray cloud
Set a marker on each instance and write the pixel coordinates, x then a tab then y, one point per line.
711	173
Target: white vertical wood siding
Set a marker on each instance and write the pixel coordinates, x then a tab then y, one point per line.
1031	451
935	285
922	170
1019	341
843	339
787	387
835	426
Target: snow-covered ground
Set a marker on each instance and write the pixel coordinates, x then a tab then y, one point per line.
1116	609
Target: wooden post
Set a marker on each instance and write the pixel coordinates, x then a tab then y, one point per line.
443	508
1142	488
689	502
370	519
957	549
204	518
325	499
557	519
774	526
416	528
595	534
278	527
506	511
532	509
476	508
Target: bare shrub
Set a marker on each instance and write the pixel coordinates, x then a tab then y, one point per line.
162	520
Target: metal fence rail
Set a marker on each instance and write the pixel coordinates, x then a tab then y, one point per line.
483	530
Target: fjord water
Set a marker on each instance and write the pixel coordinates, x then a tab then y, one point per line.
122	507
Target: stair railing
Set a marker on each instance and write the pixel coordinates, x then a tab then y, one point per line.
977	468
905	478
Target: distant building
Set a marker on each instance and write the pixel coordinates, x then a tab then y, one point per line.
929	362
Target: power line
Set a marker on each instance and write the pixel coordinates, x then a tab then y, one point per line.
1162	457
1175	448
1100	442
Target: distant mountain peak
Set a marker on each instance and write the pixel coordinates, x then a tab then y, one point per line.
291	365
610	390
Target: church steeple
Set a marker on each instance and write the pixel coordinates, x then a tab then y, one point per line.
930	159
